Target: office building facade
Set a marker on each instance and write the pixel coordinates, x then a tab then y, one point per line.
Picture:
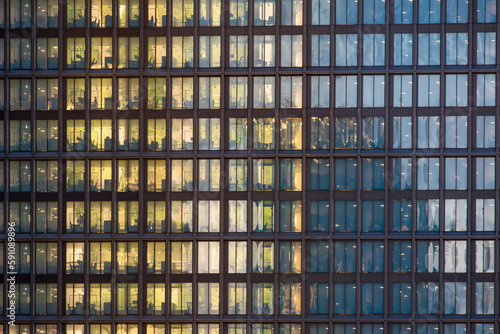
250	167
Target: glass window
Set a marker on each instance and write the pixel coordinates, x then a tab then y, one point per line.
428	132
128	56
237	257
264	12
291	12
181	257
373	132
181	219
264	50
485	131
208	257
238	133
47	13
320	48
372	299
319	173
209	51
209	134
429	48
346	52
263	257
101	93
238	92
263	133
262	298
373	91
156	134
401	215
157	10
485	90
290	174
457	11
209	93
373	48
128	175
100	135
401	299
485	214
485	297
485	173
157	51
128	13
427	299
429	11
237	219
428	173
345	132
182	134
456	90
20	176
456	48
238	51
291	50
320	133
319	253
318	298
486	48
182	93
156	217
455	216
456	173
74	298
372	216
20	136
455	297
75	13
210	13
238	12
320	12
237	299
403	46
182	13
157	173
345	256
290	257
319	216
456	132
320	91
20	94
403	94
238	175
486	11
208	298
455	256
402	172
485	256
403	11
290	216
291	133
290	299
428	215
402	132
263	92
209	175
75	175
46	175
373	172
46	53
46	217
182	51
374	12
101	52
181	298
263	174
102	14
291	92
428	86
128	217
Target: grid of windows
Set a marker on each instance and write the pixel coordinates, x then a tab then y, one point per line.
264	166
